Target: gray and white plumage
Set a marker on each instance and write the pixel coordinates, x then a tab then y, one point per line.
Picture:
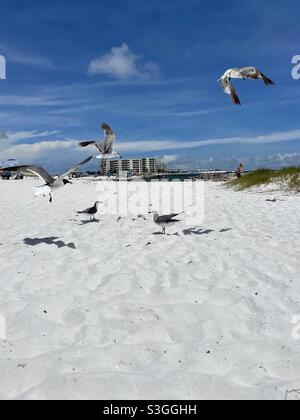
165	220
250	73
91	211
51	184
106	148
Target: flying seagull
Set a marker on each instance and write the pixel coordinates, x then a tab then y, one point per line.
52	184
165	221
106	148
91	211
244	73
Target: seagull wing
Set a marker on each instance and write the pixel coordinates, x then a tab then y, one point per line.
110	138
254	74
94	143
65	174
36	170
87	211
167	218
250	73
230	90
234	74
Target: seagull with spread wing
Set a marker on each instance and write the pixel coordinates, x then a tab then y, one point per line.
106	148
251	73
51	184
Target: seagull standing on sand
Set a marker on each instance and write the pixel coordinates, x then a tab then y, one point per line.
52	184
106	148
244	73
164	221
91	211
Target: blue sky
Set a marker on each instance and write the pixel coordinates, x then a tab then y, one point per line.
150	69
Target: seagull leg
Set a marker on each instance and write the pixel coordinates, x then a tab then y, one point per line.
51	199
163	230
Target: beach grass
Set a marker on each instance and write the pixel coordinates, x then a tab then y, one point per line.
287	179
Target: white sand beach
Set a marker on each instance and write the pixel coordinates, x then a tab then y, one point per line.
109	310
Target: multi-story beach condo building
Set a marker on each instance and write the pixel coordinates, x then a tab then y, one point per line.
138	166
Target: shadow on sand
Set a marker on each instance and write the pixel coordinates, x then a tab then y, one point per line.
167	234
225	230
193	231
48	241
84	222
87	222
196	231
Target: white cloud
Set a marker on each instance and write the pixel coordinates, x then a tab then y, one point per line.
27	152
167	159
279	160
51	151
9	146
122	64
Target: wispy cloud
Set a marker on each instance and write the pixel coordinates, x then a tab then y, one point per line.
123	64
16	56
148	146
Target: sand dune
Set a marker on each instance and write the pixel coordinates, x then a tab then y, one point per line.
111	311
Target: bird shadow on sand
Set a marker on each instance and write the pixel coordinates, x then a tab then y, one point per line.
196	231
84	222
87	222
167	234
48	241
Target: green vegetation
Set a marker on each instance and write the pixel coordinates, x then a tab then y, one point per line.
287	178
